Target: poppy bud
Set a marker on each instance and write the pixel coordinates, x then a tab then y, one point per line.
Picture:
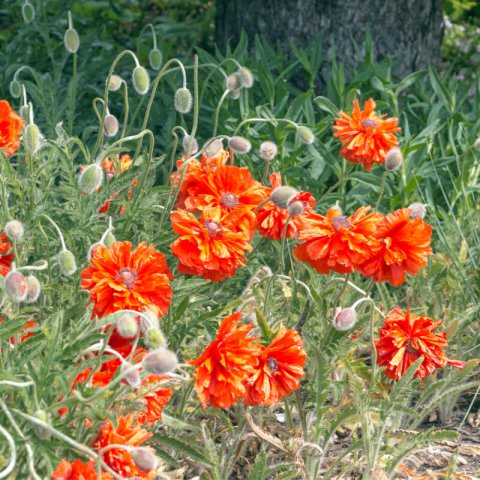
417	210
91	178
15	88
235	94
32	137
16	286
110	240
28	12
250	317
393	159
33	289
233	82
160	361
477	144
344	319
305	135
42	432
268	150
282	195
14	230
144	459
296	208
110	125
127	326
239	144
246	77
24	112
131	375
213	148
140	80
183	100
154	338
152	317
115	83
71	40
190	145
67	263
155	58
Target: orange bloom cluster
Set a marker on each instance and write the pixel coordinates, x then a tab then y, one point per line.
27	331
365	135
6	258
404	338
78	471
11	125
235	366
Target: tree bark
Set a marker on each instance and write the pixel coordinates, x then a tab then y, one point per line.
410	31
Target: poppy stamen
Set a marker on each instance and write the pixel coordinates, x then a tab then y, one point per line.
369	123
272	365
341	221
229	200
127	276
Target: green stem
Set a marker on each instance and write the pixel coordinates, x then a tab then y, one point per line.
217	111
73	95
382	189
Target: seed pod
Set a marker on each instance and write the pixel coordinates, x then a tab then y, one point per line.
115	83
344	319
144	459
131	375
155	58
14	230
32	138
15	88
110	125
154	338
140	80
33	289
110	240
305	135
393	159
42	432
28	12
190	145
281	196
91	178
16	286
67	263
268	150
213	148
417	210
233	82
71	40
239	144
160	361
296	208
246	77
127	326
183	100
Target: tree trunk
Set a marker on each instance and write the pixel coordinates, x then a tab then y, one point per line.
410	31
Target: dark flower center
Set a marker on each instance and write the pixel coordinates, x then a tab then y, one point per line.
272	365
368	123
341	221
229	200
214	228
410	348
127	276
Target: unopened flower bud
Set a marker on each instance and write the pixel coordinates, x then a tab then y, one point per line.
16	286
144	459
268	150
110	240
233	81
42	432
393	159
250	317
154	338
14	230
282	195
32	137
131	374
305	135
477	143
33	289
190	145
213	148
160	361
152	319
155	58
140	80
28	12
235	94
71	40
91	178
15	88
127	326
344	319
110	125
183	100
115	83
239	144
417	210
296	208
24	112
246	77
67	263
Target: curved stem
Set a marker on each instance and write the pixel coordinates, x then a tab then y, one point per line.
217	111
13	454
263	120
59	232
126	107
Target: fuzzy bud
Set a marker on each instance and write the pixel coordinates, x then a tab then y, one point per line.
281	196
183	100
246	77
305	135
152	320
213	148
268	150
67	263
15	88
32	137
160	361
144	459
110	125
91	178
417	210
24	112
131	375
393	159
28	12
296	208
190	145
344	319
71	40
33	289
14	230
42	432
235	94
477	143
155	58
239	144
110	240
154	338
115	83
127	326
140	80
16	286
233	82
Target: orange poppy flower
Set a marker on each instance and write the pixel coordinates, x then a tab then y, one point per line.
366	136
78	471
10	129
225	364
122	279
271	219
128	432
279	370
405	247
404	337
209	246
336	242
153	402
111	166
5	257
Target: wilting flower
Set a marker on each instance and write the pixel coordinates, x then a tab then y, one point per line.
279	370
405	337
271	218
336	242
225	364
122	279
78	471
10	129
405	247
209	246
129	433
366	136
5	257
